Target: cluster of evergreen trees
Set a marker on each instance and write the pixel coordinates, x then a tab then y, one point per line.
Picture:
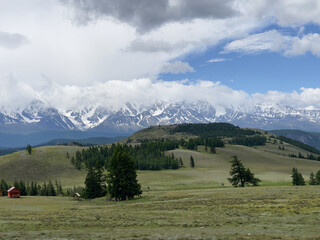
34	189
249	141
121	178
314	178
213	130
309	156
193	143
149	155
298	180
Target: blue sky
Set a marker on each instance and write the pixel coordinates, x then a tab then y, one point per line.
234	53
260	71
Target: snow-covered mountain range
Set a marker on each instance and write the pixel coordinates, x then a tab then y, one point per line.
40	116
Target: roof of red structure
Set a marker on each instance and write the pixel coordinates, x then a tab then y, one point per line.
9	190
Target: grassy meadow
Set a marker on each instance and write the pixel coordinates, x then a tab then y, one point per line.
187	203
282	212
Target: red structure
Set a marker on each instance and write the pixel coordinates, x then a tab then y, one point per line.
13	193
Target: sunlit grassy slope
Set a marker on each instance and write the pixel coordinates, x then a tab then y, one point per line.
271	165
45	163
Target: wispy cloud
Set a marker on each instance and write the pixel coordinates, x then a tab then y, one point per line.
177	67
267	41
216	60
274	41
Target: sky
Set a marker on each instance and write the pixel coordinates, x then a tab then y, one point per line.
233	53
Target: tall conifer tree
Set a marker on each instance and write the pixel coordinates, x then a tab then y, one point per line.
122	177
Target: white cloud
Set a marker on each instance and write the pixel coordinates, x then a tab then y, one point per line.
307	43
216	60
274	41
267	41
77	63
306	98
177	67
144	92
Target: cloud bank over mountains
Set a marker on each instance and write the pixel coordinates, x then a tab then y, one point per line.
72	53
115	94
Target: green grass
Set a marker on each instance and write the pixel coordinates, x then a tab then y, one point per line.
176	204
220	213
45	163
212	170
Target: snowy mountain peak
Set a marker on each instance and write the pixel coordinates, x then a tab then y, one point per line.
41	115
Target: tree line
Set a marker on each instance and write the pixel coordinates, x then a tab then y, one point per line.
213	130
149	155
249	141
33	188
309	156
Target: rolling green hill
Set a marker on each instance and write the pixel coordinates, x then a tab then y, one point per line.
45	163
269	162
187	203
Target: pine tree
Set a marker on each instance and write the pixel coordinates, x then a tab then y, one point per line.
29	149
95	182
22	187
212	149
180	162
58	187
192	162
300	155
237	173
297	178
251	179
33	189
3	186
318	178
240	176
312	179
122	176
50	189
43	190
91	184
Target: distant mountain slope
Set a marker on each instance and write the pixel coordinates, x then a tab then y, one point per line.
310	138
60	141
8	140
84	142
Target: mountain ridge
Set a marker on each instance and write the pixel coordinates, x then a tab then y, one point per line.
40	116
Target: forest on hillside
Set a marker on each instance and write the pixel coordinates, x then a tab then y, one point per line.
151	154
